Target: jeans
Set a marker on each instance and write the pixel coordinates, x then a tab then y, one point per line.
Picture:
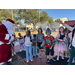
72	56
28	52
34	50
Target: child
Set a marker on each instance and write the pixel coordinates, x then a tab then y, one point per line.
21	42
48	42
34	46
28	46
40	38
60	45
66	31
70	29
12	45
72	48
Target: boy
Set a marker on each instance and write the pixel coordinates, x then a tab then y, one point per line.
48	42
34	46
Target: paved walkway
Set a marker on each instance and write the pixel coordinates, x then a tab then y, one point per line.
36	60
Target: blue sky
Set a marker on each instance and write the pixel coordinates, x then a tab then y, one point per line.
60	13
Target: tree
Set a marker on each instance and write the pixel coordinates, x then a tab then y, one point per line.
32	16
57	20
4	14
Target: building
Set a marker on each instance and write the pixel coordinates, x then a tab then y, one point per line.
70	23
62	19
55	26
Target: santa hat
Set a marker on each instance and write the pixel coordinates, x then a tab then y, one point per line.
48	30
9	21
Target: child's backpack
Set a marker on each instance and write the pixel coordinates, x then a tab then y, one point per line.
30	37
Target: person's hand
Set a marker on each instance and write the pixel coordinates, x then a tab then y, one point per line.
51	47
36	44
64	40
61	40
61	22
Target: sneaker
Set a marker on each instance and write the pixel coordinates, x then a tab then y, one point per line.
40	56
20	50
33	56
27	61
31	60
62	58
53	59
57	58
36	55
47	61
9	63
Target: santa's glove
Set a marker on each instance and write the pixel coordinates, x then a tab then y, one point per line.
12	38
8	43
7	37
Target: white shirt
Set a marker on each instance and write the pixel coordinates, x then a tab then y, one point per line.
27	41
73	41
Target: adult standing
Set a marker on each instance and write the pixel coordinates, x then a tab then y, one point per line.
6	36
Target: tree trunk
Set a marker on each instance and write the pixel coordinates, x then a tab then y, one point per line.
34	27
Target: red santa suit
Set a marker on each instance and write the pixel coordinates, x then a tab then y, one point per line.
6	36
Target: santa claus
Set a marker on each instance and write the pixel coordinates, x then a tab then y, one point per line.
6	36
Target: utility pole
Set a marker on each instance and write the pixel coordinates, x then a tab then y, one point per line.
12	14
39	17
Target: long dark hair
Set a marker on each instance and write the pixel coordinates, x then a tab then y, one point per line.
29	32
73	32
41	30
60	31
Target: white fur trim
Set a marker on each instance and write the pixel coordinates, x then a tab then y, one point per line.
10	60
7	37
8	22
1	63
1	43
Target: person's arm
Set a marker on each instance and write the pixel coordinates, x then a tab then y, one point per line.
67	37
33	41
20	38
43	43
67	26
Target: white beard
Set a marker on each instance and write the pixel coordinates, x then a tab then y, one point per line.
9	29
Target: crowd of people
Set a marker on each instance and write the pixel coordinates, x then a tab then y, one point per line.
63	44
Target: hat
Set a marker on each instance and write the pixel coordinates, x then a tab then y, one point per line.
9	21
48	30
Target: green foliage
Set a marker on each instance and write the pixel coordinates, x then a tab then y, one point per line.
5	14
57	20
29	15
